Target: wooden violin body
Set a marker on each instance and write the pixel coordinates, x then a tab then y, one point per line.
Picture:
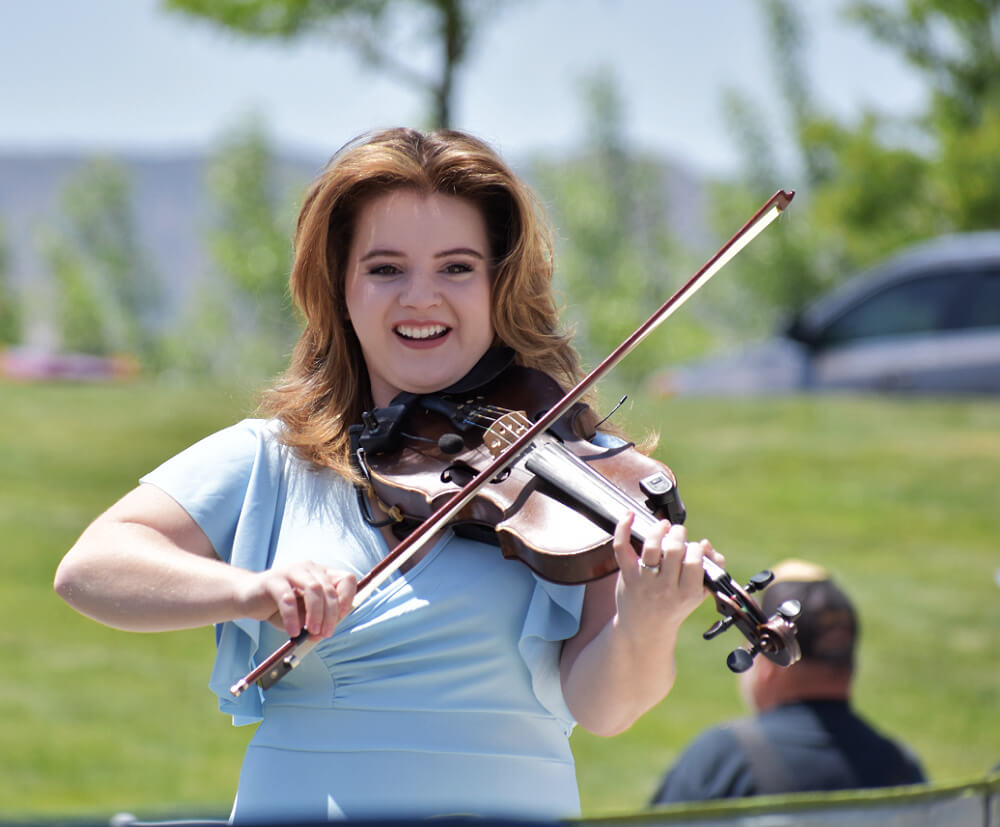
556	506
532	519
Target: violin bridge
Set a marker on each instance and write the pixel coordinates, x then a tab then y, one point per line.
505	431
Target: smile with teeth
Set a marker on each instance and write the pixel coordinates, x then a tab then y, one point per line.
433	331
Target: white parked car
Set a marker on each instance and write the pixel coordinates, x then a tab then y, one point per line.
926	321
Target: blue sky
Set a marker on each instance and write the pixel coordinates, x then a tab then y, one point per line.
123	74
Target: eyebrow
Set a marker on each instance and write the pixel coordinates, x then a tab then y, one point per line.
467	251
460	251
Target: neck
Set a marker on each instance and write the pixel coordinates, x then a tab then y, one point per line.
804	681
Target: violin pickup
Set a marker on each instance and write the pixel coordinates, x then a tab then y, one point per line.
662	497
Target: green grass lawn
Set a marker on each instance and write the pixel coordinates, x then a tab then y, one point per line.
898	497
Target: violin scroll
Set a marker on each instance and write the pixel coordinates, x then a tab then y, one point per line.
774	636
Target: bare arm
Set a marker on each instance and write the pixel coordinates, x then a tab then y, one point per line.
145	565
621	662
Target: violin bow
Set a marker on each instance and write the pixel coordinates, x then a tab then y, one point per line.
289	655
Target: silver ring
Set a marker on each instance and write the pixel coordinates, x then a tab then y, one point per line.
643	566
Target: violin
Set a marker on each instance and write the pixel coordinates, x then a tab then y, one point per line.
499	459
556	508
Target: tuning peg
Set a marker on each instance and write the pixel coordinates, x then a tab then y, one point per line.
759	581
740	660
789	609
717	628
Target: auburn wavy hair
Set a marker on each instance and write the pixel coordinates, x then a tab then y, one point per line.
326	387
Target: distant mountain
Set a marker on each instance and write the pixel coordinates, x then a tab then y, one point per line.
173	207
171	200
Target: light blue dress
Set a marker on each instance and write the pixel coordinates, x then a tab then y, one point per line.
439	695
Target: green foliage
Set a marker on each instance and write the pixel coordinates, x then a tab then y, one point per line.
240	322
952	181
371	28
10	306
783	267
107	298
616	261
968	173
285	18
896	496
881	198
80	317
792	261
953	45
868	188
251	239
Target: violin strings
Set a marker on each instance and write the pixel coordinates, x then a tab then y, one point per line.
482	417
484	414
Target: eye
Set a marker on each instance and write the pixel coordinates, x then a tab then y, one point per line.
458	268
384	270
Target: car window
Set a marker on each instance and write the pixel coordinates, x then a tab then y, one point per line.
983	307
920	305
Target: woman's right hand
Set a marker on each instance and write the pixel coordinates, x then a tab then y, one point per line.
146	566
300	595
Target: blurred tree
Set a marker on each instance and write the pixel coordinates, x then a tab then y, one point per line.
370	27
869	187
107	298
780	270
955	46
242	319
10	305
79	315
617	261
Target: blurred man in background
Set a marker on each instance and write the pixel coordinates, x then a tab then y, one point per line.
804	735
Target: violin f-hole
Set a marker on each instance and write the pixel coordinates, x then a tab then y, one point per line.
459	473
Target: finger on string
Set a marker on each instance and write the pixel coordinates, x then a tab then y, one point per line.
670	549
713	554
650	559
692	570
622	543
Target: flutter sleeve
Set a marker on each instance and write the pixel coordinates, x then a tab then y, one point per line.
553	616
231	484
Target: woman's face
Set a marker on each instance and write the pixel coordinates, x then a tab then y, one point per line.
418	291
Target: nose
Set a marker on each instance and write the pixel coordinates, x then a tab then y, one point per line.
420	290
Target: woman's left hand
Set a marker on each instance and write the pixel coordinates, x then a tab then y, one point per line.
621	661
660	587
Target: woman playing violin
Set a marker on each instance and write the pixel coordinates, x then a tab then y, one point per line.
454	687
